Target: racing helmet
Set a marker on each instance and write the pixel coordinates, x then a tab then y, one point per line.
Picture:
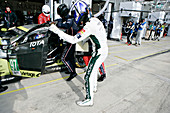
80	12
46	10
62	10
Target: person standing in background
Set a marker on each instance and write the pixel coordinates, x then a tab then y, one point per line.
140	32
29	18
10	18
158	32
110	26
45	15
153	32
149	29
131	27
163	29
144	29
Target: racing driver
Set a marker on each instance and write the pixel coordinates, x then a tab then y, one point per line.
90	28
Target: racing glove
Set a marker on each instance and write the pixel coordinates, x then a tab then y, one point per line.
62	35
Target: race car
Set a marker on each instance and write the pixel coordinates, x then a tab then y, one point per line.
30	51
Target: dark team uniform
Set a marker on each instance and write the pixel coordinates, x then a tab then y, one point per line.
68	53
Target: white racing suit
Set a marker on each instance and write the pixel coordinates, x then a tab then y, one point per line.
96	32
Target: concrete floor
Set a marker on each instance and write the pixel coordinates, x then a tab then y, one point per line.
138	81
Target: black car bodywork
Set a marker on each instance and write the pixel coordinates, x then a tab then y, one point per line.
37	50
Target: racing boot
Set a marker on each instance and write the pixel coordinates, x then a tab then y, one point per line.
3	88
101	78
86	102
72	75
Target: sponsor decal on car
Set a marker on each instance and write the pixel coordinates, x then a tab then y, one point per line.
33	74
14	67
37	43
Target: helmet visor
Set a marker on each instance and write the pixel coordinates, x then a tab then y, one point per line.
47	12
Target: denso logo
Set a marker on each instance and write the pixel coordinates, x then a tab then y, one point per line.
37	43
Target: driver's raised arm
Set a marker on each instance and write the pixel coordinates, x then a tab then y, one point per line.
81	35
